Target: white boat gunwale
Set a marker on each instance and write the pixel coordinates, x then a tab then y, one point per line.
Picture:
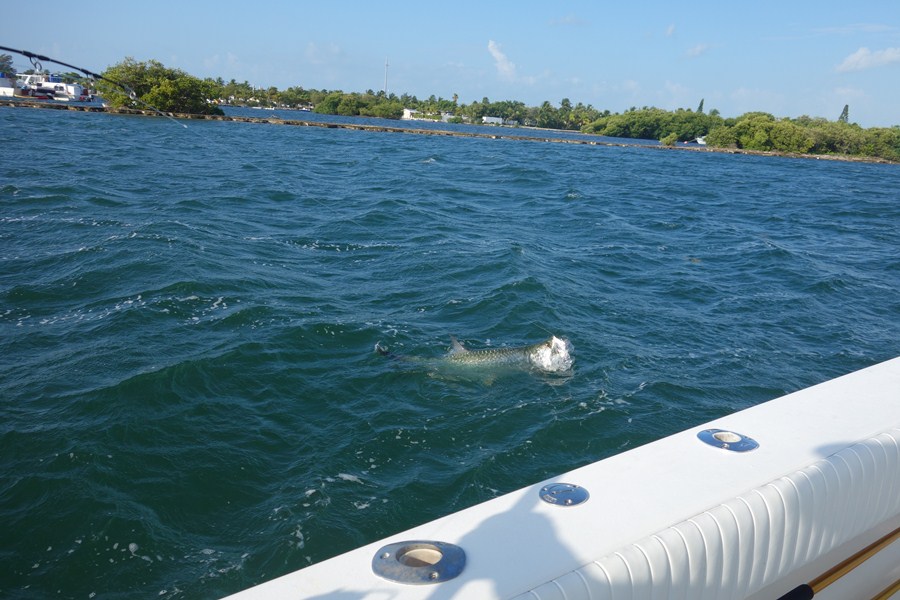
517	546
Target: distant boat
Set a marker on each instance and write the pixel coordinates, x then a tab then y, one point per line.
701	140
40	86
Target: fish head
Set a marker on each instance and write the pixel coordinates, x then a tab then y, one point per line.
552	356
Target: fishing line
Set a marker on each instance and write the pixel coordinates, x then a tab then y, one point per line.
36	63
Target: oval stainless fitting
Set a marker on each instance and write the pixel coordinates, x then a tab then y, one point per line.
564	494
728	440
419	562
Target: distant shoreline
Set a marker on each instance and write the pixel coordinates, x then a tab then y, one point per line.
387	129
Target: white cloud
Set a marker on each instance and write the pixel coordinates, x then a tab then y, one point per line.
864	59
505	68
670	30
697	50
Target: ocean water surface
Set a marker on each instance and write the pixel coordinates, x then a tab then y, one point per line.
191	401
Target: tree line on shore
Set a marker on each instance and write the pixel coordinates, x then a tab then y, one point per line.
173	90
754	131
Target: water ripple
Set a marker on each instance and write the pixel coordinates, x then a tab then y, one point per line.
192	400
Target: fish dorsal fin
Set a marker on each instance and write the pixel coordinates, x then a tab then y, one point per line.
455	346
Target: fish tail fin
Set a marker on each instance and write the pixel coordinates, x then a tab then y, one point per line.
455	346
382	350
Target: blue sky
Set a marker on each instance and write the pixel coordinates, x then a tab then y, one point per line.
789	58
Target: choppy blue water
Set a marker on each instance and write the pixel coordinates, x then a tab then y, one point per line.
191	403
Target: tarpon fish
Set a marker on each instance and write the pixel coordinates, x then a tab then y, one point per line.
550	356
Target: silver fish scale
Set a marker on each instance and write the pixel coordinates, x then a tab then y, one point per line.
495	355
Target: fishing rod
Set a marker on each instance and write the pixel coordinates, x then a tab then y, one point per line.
36	63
